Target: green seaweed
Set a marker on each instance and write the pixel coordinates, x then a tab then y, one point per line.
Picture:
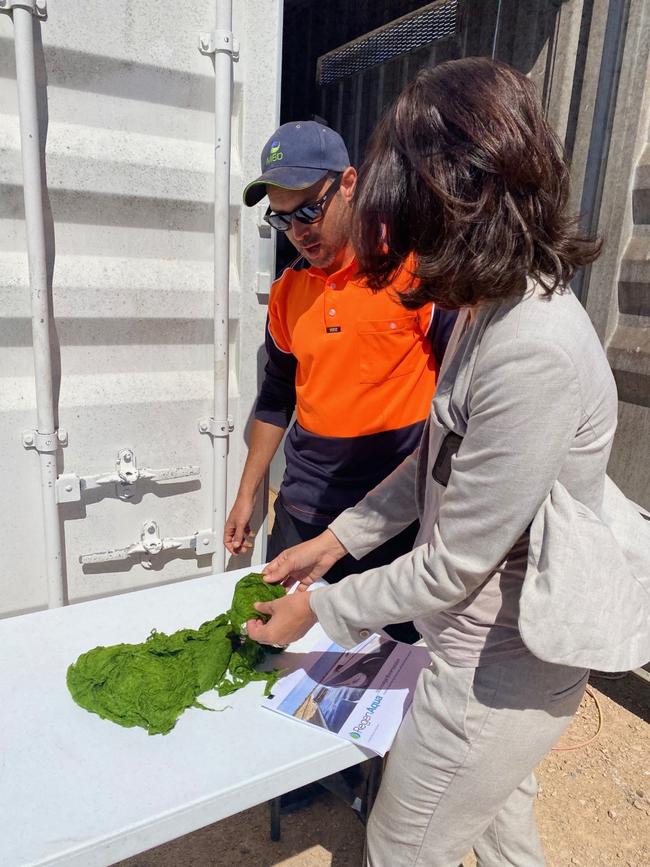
241	669
248	590
152	683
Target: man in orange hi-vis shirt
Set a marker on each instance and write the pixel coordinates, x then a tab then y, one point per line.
358	368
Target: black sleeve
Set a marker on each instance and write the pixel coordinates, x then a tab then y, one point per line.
440	330
277	398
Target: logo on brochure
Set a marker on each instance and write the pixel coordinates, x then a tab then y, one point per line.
366	719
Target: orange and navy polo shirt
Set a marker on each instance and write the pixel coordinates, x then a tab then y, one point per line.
360	371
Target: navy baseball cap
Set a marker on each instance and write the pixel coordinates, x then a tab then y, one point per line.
296	156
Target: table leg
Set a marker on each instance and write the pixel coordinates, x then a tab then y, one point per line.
375	770
373	781
338	785
276	829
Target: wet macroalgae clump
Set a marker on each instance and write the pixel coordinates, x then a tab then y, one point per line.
152	683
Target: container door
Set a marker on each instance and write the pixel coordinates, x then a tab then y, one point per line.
127	115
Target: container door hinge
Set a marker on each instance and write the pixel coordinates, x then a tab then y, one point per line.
151	543
263	227
70	486
220	428
263	277
44	443
36	7
219	41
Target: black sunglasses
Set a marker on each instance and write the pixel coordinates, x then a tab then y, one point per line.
312	212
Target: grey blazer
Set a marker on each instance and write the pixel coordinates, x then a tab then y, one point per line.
527	386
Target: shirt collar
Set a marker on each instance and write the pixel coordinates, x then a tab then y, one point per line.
343	275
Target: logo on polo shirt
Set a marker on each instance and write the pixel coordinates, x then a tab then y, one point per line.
275	154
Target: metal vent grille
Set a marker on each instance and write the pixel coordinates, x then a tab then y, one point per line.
431	23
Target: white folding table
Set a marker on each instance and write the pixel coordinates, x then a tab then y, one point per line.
79	790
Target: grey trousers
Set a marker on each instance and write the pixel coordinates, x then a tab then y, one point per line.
460	772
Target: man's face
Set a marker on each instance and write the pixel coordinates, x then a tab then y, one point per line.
323	244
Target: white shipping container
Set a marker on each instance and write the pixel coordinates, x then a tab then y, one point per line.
126	113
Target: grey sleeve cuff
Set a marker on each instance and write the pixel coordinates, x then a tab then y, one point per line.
345	529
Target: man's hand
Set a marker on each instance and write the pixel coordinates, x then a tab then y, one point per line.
291	618
237	534
264	441
307	562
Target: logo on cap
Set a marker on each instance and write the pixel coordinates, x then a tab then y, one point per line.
275	154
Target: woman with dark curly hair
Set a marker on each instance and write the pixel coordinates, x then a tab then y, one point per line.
465	175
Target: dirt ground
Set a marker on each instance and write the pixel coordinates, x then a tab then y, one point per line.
593	808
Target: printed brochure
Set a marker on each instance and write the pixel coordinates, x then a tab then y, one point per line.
361	694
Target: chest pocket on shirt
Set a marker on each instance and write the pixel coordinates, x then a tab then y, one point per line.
388	348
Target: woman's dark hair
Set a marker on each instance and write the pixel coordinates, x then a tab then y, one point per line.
464	173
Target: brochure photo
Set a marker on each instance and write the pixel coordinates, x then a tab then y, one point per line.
360	694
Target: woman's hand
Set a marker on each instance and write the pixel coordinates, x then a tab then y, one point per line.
305	563
291	617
